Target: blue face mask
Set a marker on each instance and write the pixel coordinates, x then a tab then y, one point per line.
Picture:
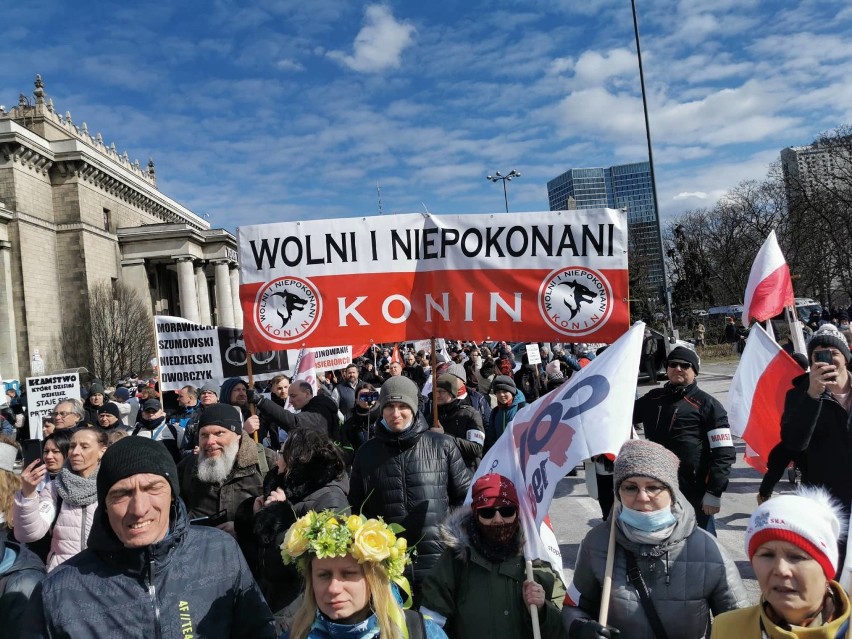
647	521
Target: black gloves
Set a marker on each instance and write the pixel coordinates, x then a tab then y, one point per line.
591	629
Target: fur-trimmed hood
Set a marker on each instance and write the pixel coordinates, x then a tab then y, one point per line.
454	532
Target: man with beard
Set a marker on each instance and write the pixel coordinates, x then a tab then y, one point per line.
153	425
227	469
207	396
347	389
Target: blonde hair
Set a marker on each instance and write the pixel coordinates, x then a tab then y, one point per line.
10	483
382	601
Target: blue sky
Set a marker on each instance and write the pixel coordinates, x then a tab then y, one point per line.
262	111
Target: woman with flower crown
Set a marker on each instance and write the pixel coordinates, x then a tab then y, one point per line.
353	570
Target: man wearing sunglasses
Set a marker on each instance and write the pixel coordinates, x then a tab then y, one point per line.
694	426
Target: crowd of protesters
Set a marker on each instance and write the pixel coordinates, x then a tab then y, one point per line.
288	509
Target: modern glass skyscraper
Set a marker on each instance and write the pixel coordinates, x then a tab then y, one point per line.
617	187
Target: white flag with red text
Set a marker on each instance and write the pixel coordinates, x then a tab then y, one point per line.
769	287
756	397
590	414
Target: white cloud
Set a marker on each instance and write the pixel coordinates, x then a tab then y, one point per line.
379	44
699	195
286	64
593	68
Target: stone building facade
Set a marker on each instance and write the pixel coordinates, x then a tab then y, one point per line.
74	213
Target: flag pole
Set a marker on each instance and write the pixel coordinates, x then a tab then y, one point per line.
251	386
434	362
610	563
796	335
533	608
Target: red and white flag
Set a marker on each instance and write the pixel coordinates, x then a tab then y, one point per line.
769	287
590	414
306	368
756	396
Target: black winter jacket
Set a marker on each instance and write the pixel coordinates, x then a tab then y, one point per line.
694	426
319	413
821	429
412	479
193	582
17	583
463	423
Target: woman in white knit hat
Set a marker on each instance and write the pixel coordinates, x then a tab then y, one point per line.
792	544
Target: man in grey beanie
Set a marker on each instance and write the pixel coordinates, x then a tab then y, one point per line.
196	579
816	416
694	426
408	474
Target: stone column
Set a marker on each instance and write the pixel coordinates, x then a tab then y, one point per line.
235	294
203	295
8	334
186	289
135	275
224	299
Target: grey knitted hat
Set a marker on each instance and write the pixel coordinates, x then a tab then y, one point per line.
642	458
505	383
399	389
829	335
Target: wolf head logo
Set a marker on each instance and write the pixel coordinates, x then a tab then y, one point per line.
288	304
575	296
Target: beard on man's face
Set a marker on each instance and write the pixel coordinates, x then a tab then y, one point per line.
215	470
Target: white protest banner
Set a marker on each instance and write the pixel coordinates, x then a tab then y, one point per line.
396	278
590	414
533	354
332	358
194	354
44	392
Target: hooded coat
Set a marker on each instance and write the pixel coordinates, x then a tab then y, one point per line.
193	582
476	598
501	417
20	572
410	478
689	576
319	413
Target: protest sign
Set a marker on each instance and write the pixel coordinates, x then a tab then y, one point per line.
519	276
533	354
43	393
194	354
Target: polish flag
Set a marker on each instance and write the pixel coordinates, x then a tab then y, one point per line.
756	396
769	287
306	368
395	356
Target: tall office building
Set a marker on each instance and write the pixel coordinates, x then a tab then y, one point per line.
623	186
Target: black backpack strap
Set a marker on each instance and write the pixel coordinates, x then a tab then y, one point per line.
635	576
415	624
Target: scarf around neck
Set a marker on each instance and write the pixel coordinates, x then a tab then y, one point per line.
75	489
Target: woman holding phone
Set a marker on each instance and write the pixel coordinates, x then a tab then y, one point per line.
67	504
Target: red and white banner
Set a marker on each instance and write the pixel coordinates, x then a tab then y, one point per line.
555	275
769	287
756	397
590	414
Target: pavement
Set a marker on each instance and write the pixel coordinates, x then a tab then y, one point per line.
573	513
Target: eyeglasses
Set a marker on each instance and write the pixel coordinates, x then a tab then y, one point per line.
681	365
62	413
632	490
506	512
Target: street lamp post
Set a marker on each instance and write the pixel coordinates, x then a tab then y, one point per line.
505	178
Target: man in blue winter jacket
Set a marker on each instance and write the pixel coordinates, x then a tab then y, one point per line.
147	572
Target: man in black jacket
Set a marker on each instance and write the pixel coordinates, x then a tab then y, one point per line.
146	571
694	426
318	411
408	474
816	418
20	572
459	420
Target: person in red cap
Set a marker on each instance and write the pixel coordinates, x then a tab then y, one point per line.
479	587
